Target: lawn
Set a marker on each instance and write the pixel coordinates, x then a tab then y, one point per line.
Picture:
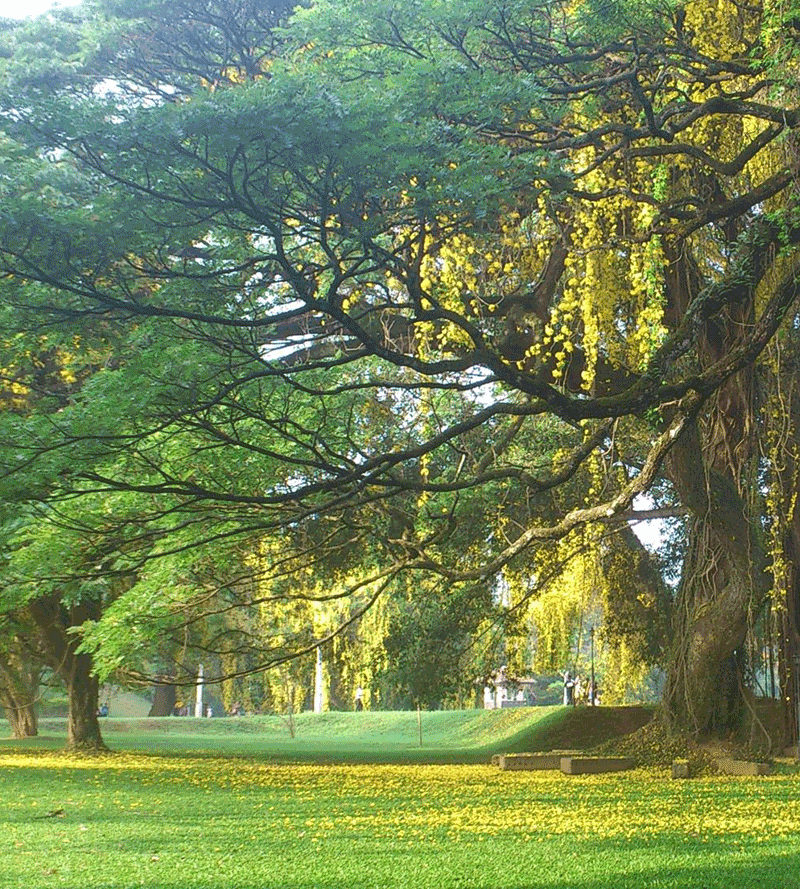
376	736
186	820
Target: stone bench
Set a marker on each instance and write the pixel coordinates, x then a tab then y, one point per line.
728	766
571	764
529	762
595	765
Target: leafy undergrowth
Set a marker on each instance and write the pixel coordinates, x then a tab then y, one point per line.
653	746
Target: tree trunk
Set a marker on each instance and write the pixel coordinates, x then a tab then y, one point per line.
19	690
788	583
714	468
724	582
704	689
83	690
59	647
164	699
22	719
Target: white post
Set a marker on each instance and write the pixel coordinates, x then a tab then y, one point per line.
198	703
318	683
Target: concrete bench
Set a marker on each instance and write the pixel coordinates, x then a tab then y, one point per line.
572	764
529	762
680	768
727	766
595	765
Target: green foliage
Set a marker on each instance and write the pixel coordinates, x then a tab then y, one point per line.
601	20
432	655
637	604
302	308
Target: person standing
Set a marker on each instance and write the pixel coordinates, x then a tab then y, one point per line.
359	699
569	689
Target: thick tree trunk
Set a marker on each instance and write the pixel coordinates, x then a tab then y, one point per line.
164	699
713	468
59	648
724	583
22	719
704	689
789	615
83	690
19	689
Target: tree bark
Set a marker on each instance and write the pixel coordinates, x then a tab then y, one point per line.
788	606
22	718
59	648
714	469
164	698
19	687
83	691
724	583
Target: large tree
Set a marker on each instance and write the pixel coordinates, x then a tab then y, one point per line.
20	677
368	254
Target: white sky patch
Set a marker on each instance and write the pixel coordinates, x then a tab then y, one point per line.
649	532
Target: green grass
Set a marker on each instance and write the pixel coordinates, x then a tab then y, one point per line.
203	823
447	736
252	819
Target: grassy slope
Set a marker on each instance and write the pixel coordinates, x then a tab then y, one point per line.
447	736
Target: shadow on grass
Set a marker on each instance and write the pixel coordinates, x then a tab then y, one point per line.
177	747
579	728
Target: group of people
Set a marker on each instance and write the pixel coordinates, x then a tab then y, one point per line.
580	690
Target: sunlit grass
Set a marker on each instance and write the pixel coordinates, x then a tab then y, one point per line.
456	735
239	823
375	736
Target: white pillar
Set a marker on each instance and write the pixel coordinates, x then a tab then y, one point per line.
318	683
198	702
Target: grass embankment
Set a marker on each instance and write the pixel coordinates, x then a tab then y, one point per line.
199	822
466	736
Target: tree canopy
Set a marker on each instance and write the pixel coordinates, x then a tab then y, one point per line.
378	289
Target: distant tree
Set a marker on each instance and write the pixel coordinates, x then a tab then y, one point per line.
432	649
